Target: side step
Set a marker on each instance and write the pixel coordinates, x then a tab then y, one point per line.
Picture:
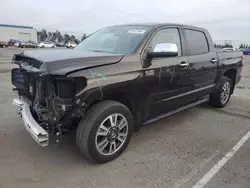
176	111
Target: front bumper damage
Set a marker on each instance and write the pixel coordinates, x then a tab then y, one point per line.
35	130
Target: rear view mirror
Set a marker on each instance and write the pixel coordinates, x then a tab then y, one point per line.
163	50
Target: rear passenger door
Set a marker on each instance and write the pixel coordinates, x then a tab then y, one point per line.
202	60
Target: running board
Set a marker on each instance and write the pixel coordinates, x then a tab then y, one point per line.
175	111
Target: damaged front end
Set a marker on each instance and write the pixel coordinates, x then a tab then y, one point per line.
46	103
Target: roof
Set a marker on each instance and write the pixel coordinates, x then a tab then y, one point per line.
16	26
165	24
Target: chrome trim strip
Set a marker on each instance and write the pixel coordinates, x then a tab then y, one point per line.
187	93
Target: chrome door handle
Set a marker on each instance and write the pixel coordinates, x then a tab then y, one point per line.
183	64
213	60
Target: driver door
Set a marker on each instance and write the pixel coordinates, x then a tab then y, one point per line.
166	88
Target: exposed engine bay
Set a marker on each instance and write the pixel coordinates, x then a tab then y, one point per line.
51	98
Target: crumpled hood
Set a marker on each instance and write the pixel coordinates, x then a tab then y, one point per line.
64	61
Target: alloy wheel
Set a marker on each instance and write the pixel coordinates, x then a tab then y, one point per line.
111	134
225	94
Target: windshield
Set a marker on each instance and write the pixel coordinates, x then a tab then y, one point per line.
116	39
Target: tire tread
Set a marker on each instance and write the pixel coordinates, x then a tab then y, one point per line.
215	99
85	125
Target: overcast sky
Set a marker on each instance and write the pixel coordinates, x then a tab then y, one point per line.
225	19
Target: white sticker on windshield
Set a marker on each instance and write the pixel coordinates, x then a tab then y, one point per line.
136	31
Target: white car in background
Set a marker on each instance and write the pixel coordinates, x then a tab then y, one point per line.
71	45
46	44
228	49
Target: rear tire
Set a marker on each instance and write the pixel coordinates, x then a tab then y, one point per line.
223	93
97	138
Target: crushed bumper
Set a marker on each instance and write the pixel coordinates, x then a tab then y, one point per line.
35	130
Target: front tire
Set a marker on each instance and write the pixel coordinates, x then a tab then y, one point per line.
223	94
105	132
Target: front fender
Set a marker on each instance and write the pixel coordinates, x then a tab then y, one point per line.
100	86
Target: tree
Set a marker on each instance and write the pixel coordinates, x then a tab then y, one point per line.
84	36
49	36
54	36
77	41
59	36
228	46
66	38
42	35
72	38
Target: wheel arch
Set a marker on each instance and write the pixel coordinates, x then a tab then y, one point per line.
127	98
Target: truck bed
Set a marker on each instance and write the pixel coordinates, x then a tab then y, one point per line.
229	55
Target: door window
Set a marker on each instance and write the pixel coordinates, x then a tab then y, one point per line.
196	42
167	36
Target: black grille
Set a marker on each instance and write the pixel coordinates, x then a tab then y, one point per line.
33	62
24	83
20	79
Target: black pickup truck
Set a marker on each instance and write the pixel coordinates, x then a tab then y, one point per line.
119	79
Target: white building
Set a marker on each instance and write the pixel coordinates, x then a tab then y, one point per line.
23	33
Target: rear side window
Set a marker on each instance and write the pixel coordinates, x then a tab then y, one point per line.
197	42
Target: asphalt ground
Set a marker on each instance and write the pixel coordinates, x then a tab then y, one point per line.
174	152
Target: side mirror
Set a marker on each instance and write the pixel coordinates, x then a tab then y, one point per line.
163	50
